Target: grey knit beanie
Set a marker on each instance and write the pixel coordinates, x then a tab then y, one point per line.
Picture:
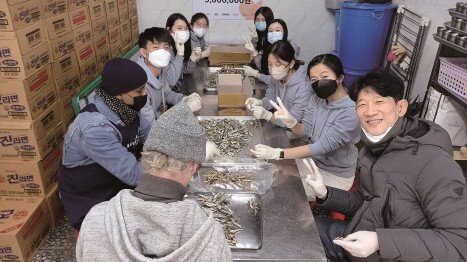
178	134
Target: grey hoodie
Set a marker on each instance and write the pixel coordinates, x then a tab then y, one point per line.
159	93
295	94
128	228
411	192
333	130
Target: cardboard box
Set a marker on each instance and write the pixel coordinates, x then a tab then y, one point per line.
23	40
229	55
58	25
113	20
125	33
55	205
96	10
66	107
79	17
99	26
101	42
64	65
18	103
75	4
17	15
116	48
20	67
54	7
85	53
121	4
24	224
32	85
134	35
132	10
88	70
82	35
114	35
103	56
124	15
27	178
231	95
110	6
20	141
62	45
134	22
131	2
70	79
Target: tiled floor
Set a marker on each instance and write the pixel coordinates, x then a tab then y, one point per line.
59	245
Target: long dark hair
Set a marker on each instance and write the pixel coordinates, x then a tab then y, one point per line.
284	50
329	60
268	16
170	23
267	46
198	16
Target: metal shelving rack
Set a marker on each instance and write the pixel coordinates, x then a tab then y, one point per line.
409	31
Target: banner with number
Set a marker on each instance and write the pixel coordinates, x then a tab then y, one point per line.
227	9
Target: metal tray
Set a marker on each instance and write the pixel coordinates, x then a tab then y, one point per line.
251	236
256	133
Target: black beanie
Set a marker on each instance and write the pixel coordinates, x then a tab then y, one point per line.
122	75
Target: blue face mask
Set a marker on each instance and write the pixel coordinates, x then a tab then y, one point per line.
274	37
261	26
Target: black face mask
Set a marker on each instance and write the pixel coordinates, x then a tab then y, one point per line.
324	87
138	102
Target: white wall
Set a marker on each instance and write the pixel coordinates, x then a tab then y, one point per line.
310	24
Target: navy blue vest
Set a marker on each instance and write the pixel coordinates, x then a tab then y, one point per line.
82	187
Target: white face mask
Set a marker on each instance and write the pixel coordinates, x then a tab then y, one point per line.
278	73
159	58
275	36
376	139
199	32
182	36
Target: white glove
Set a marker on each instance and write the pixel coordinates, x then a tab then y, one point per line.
211	151
261	113
249	45
250	71
283	114
314	179
360	243
206	52
193	101
254	34
266	152
179	46
251	101
196	54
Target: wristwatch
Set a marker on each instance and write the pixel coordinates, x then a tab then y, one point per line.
281	155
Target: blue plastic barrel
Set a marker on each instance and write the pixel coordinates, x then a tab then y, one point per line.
351	76
363	30
336	39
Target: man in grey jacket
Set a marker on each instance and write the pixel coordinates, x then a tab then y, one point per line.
411	200
154	222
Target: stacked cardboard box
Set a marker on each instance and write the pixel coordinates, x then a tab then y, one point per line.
24	223
233	91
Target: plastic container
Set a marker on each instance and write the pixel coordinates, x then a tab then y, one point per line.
363	32
453	75
260	177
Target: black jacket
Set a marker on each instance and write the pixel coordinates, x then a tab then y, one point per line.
412	193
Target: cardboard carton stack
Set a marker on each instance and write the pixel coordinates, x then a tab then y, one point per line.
233	90
50	50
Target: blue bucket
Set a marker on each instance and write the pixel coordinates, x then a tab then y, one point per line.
350	76
363	30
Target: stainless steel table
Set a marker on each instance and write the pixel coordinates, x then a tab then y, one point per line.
289	230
